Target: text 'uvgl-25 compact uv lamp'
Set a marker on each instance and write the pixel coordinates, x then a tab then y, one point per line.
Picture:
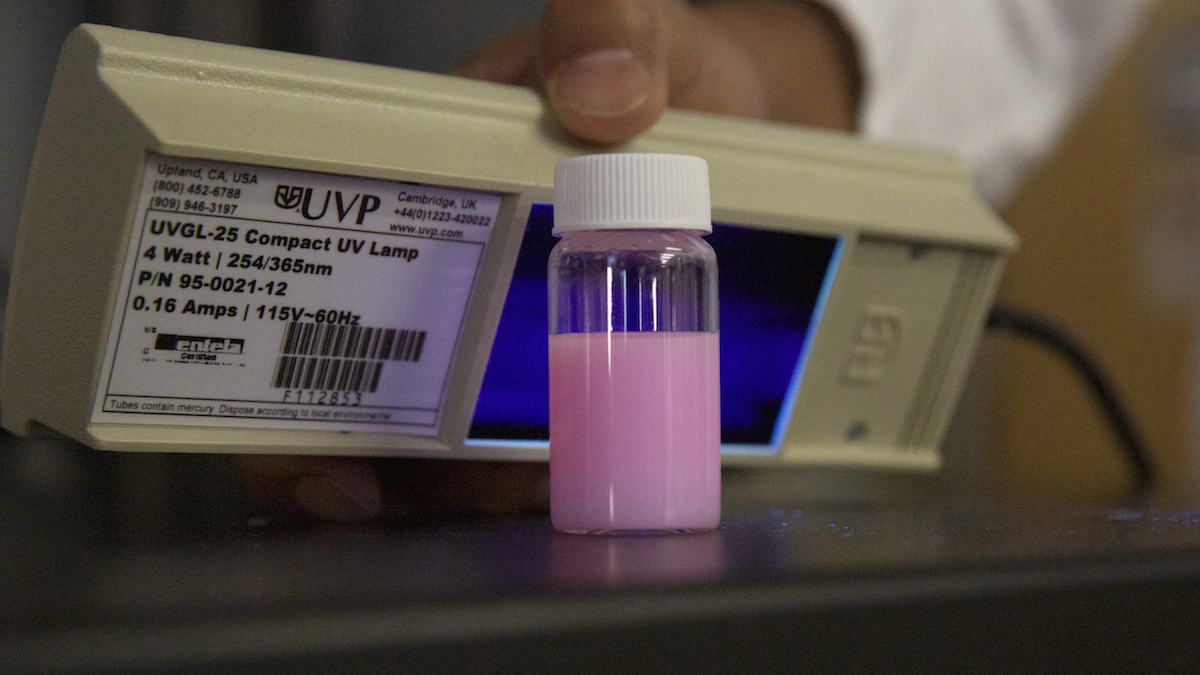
235	250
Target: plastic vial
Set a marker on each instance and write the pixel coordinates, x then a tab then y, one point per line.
635	432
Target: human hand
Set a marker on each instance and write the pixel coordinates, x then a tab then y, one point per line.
359	488
609	68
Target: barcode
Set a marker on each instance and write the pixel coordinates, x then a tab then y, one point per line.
331	357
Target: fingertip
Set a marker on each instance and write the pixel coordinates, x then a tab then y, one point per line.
607	95
338	496
328	488
507	59
604	65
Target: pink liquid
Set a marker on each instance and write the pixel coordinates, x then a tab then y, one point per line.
635	437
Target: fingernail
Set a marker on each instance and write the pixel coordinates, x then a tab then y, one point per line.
330	499
604	83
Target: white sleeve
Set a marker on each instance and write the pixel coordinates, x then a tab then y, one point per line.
995	81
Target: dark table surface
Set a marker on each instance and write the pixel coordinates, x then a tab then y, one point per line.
156	564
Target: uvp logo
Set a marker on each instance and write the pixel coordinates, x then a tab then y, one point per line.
299	198
288	196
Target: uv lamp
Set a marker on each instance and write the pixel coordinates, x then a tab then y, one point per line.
226	249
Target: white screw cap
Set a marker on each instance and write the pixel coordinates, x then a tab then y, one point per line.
622	191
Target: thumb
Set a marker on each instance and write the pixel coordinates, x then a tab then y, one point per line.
611	67
604	64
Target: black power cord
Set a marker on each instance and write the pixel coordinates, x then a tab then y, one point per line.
1054	337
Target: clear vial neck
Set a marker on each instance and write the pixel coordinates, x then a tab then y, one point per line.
633	280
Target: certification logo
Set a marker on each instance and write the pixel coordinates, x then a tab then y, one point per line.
198	349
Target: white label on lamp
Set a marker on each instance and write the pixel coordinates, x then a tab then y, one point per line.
255	296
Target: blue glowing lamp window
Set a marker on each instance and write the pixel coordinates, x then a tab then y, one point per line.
772	287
